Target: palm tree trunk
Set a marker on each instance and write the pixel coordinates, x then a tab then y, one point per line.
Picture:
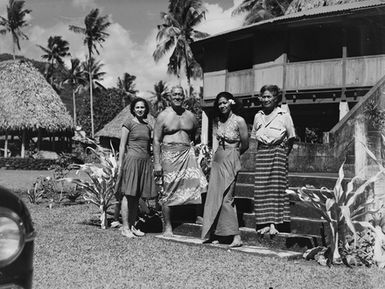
74	105
13	49
91	103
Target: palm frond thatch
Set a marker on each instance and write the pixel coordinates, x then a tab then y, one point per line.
28	101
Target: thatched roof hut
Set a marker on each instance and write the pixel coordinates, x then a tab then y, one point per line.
112	130
28	102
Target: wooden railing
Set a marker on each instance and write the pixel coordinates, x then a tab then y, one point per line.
342	73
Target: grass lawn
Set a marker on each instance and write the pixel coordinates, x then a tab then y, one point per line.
72	254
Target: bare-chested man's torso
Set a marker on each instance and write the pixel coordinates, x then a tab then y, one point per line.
178	128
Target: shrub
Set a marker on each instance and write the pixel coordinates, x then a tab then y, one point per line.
103	175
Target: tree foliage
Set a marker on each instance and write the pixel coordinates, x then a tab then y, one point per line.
94	34
177	33
258	10
14	23
160	97
303	5
107	104
127	85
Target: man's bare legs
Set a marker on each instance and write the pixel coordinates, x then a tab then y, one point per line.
167	221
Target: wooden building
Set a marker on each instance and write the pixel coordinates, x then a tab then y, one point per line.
326	60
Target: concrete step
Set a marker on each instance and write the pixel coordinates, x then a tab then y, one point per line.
282	241
295	179
298	225
249	249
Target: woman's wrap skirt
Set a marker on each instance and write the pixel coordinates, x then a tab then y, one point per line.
220	216
271	202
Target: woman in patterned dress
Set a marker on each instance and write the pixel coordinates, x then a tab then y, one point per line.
220	215
274	131
135	166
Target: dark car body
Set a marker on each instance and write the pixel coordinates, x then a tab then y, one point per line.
16	271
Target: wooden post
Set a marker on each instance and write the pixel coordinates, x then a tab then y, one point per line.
23	140
360	157
39	139
284	78
6	145
344	55
205	128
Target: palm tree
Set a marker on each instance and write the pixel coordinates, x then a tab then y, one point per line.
56	49
177	33
75	77
160	98
96	74
14	23
258	10
126	83
94	33
302	5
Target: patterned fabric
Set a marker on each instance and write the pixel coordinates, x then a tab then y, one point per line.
183	179
274	128
220	215
229	130
271	203
137	169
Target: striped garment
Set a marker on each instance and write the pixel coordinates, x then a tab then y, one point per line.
271	203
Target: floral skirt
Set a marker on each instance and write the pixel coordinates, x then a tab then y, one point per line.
183	179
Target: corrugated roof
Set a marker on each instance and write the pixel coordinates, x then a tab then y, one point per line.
335	10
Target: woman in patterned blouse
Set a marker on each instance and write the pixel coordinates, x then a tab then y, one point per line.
220	215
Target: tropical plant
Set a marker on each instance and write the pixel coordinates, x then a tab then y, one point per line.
258	10
340	208
77	79
56	49
100	187
303	5
127	84
160	98
94	33
177	33
96	75
14	22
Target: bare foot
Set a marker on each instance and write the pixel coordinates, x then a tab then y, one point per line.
273	230
263	230
168	233
237	242
199	220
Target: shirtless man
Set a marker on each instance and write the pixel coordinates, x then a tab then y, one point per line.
174	157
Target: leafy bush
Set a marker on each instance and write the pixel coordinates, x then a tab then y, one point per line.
340	209
102	177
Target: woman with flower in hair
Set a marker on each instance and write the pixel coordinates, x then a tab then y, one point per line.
274	131
220	214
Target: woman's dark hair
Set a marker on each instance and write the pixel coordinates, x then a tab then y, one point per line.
274	89
135	101
235	108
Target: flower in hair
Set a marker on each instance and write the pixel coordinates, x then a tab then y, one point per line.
231	101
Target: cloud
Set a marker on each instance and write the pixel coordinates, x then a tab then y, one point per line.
120	53
219	20
84	3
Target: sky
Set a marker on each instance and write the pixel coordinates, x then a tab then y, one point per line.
131	42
